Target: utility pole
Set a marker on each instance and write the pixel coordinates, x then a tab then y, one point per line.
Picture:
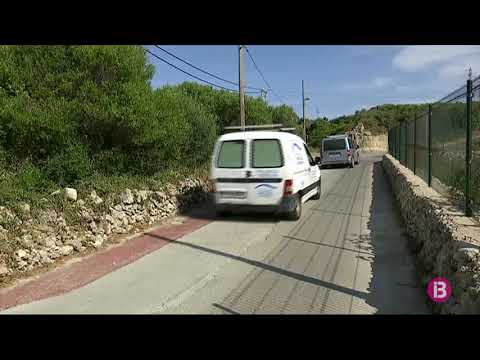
303	115
468	157
241	85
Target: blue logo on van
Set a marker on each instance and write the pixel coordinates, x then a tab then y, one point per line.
266	185
265	190
295	145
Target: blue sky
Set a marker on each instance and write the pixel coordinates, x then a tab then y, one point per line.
338	79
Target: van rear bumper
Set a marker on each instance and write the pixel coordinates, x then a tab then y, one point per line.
336	162
287	204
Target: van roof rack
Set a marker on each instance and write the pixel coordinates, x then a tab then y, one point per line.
288	129
271	127
336	136
254	127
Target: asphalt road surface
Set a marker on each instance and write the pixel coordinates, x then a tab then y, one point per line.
346	255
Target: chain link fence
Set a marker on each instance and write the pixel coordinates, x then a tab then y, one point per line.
410	143
421	146
448	127
442	145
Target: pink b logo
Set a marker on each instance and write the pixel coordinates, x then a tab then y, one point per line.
439	289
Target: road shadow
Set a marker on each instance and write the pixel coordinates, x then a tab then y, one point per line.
395	286
265	266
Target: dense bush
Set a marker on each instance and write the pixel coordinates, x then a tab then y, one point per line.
224	105
72	115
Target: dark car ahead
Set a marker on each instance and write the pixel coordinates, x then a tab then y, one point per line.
339	149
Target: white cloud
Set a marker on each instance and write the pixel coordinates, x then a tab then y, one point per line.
459	69
414	58
423	100
376	83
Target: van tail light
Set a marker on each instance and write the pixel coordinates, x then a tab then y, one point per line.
349	152
288	188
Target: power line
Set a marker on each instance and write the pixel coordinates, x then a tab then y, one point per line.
263	77
196	77
203	71
256	67
185	72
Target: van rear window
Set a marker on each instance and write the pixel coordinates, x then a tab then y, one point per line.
334	144
266	153
231	154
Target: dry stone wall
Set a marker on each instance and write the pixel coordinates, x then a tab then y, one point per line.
446	243
49	237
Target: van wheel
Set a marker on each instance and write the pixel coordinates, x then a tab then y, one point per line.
319	190
296	212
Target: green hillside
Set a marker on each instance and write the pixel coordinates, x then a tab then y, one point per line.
376	120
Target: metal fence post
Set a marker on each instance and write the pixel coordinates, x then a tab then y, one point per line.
396	142
468	155
394	133
399	143
405	132
390	141
392	147
414	144
429	144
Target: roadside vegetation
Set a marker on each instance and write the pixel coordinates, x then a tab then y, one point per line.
87	117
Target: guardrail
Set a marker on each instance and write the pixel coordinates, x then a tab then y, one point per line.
442	145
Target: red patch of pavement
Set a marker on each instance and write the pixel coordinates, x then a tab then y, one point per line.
73	276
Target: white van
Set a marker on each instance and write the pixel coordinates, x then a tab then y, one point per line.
268	170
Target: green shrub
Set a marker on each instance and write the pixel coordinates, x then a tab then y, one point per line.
69	166
23	184
77	115
180	132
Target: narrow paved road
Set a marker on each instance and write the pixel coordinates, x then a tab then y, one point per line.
346	255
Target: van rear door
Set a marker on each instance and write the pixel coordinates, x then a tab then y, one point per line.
266	162
230	172
249	172
335	150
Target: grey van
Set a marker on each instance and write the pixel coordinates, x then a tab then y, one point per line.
339	149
